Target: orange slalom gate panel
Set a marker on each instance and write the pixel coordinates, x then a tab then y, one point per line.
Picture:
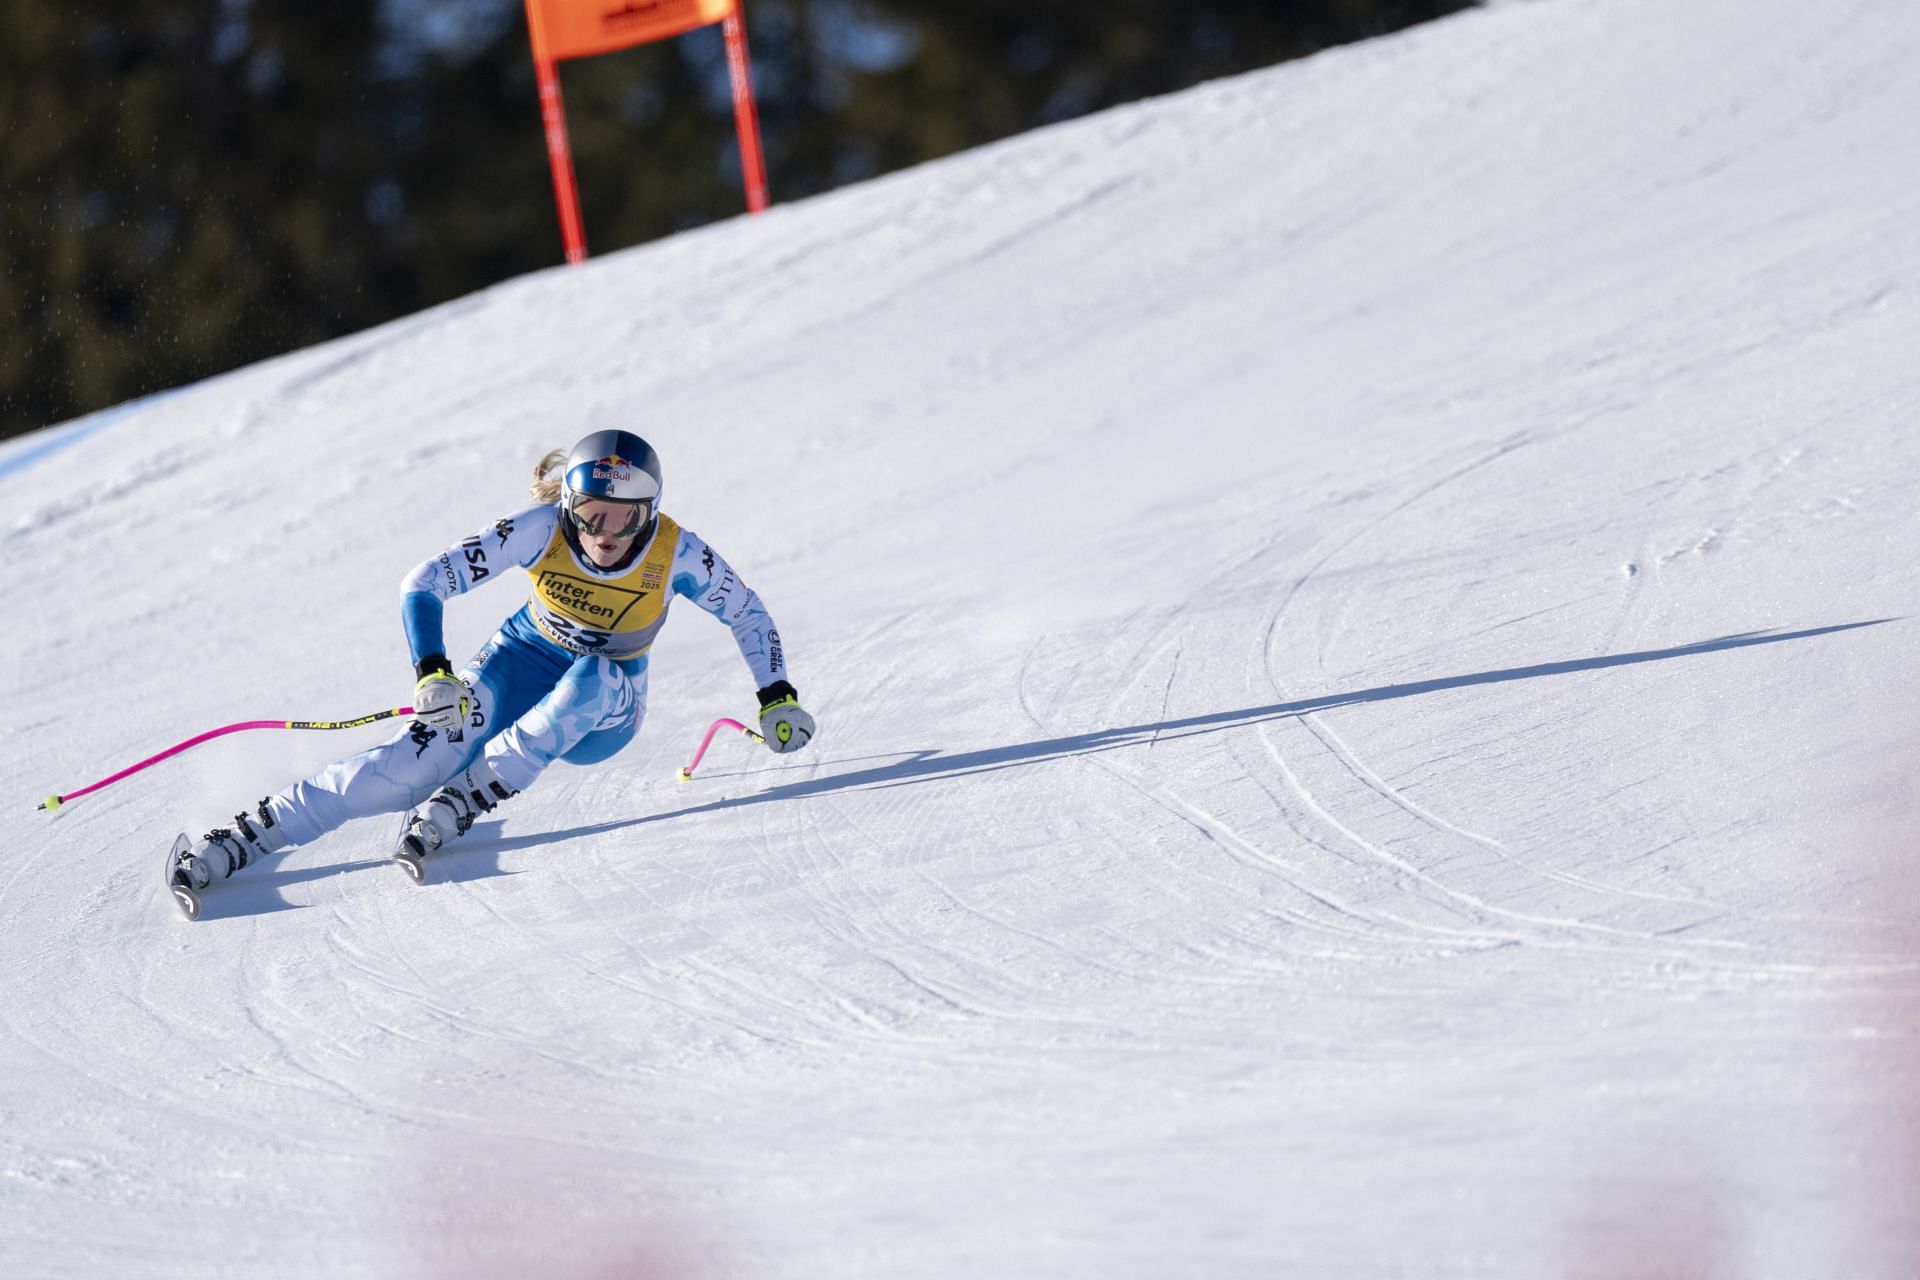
582	28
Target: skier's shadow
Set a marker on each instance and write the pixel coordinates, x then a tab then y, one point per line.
475	856
259	895
930	766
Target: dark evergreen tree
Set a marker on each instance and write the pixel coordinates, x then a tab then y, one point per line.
191	185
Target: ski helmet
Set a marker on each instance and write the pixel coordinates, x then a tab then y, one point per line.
617	467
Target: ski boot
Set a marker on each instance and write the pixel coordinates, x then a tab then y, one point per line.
447	816
220	853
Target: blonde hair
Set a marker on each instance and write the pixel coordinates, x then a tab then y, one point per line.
547	474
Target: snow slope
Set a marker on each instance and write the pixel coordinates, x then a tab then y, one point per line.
1361	621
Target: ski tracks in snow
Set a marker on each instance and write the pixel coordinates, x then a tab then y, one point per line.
1456	869
1373	865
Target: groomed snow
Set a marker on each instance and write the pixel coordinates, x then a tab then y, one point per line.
1361	623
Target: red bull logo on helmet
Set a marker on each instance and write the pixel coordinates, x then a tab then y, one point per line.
613	467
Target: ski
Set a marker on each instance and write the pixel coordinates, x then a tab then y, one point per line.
185	896
407	851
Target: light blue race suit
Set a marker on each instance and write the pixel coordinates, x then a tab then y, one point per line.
564	678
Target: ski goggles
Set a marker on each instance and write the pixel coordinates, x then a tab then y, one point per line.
610	517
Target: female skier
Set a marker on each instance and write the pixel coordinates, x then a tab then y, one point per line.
565	678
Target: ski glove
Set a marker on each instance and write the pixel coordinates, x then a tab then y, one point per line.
441	699
782	723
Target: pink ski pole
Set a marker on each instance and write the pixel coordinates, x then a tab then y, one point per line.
52	803
686	772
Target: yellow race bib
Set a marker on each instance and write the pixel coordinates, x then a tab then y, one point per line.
614	616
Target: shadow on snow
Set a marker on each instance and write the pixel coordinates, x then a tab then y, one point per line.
928	766
479	859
